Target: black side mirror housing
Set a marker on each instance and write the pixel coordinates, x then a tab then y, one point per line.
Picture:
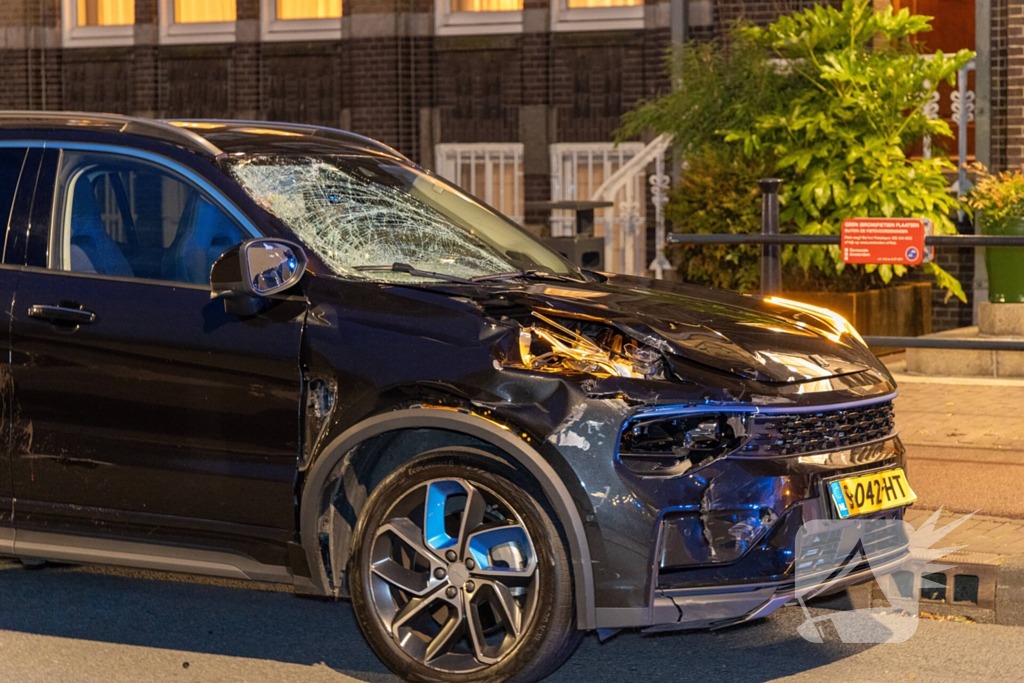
247	273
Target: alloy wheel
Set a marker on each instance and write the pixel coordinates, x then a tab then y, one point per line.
453	575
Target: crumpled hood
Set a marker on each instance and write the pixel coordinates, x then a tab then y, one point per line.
766	340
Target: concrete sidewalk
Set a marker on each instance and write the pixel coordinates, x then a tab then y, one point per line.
965	441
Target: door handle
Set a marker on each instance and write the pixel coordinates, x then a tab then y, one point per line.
61	314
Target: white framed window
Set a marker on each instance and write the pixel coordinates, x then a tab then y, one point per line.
97	23
578	170
197	21
300	19
475	17
491	171
596	15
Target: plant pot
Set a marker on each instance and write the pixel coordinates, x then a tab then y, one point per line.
903	311
1005	265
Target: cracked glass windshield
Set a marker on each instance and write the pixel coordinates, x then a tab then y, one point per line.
375	218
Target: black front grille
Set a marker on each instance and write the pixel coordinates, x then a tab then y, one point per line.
798	433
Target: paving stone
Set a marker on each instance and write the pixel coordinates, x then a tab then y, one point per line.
1006	529
970	414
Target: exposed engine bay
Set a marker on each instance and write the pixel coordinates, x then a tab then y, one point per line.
593	348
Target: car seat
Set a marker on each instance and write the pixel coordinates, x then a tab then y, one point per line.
91	249
205	238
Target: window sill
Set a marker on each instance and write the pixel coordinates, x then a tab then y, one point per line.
98	36
199	32
279	30
597	18
475	23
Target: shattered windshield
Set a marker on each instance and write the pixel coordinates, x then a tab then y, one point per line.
363	215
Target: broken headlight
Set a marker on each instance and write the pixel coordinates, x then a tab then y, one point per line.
553	347
670	445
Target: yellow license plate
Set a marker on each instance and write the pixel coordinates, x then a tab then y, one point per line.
871	492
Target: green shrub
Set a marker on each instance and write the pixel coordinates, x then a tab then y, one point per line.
718	194
833	100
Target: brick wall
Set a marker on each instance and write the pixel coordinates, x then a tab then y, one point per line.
596	78
300	83
726	13
999	44
947	315
1014	88
479	91
378	85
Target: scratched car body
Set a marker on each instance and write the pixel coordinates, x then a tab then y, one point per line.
285	353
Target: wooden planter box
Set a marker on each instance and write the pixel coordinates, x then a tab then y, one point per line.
903	311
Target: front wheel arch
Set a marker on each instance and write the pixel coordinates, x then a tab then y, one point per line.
336	460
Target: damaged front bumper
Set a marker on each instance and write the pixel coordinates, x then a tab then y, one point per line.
719	541
803	566
684	609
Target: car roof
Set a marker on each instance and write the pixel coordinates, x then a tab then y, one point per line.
211	137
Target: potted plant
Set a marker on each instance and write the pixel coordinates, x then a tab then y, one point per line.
998	204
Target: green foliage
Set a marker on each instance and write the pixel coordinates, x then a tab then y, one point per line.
718	194
723	85
843	101
997	197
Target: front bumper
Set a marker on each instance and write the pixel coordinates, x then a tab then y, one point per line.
732	553
697	608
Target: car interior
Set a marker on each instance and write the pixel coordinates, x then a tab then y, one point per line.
129	219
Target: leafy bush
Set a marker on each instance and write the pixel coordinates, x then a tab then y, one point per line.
718	194
838	102
998	196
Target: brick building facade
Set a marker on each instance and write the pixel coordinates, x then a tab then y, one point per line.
540	89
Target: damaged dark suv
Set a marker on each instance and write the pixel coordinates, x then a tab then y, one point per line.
286	353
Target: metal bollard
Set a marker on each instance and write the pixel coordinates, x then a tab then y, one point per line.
771	254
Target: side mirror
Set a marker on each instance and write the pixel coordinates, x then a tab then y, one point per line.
248	272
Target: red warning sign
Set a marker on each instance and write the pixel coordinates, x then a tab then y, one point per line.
883	240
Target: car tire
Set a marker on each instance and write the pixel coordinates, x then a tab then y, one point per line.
471	585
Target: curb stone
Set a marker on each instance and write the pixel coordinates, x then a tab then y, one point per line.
1009	609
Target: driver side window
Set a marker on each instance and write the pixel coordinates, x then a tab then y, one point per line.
128	217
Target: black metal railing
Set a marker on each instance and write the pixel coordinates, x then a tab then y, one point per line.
771	266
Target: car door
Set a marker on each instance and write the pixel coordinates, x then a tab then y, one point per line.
15	199
151	412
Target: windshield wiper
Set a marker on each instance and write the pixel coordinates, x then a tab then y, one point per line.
528	274
409	270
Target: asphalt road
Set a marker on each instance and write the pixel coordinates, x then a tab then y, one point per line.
77	624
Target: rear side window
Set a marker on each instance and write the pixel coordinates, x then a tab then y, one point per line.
11	161
129	217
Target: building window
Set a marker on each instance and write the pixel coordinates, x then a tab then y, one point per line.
308	9
300	19
98	23
578	170
197	21
466	17
595	15
203	11
486	5
576	4
490	171
105	12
